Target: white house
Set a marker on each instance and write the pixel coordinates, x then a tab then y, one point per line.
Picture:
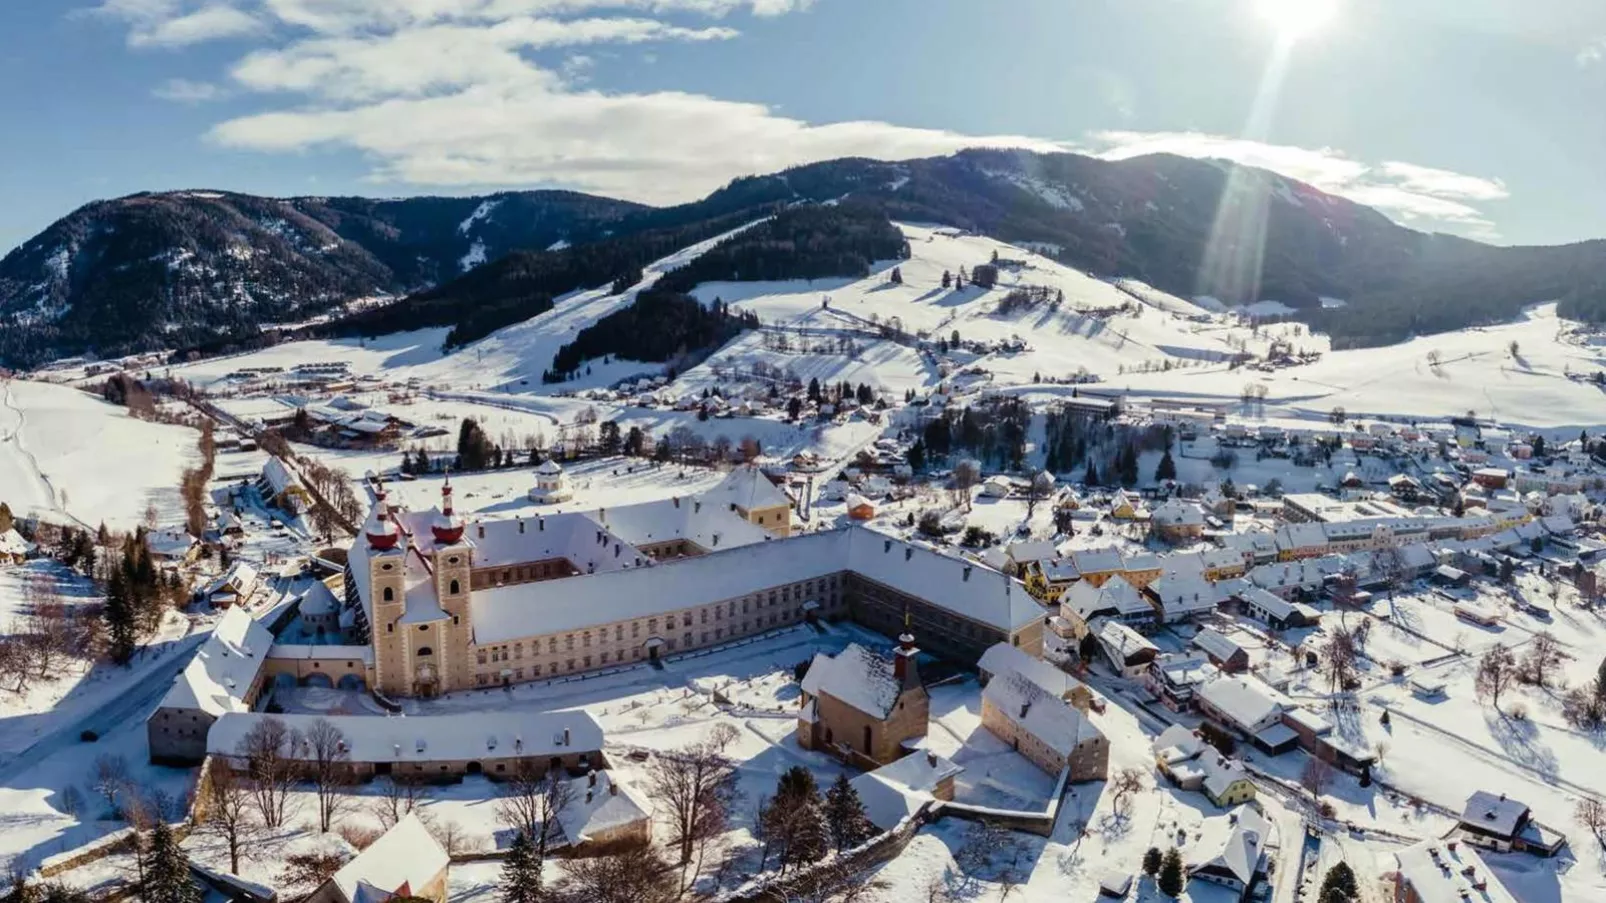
551	484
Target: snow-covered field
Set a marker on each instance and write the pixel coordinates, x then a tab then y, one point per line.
66	453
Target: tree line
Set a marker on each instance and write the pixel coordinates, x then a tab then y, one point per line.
658	326
805	242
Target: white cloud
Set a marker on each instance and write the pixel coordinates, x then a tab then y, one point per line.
1592	53
178	23
1419	196
183	90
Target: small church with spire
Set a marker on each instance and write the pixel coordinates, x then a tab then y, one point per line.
863	707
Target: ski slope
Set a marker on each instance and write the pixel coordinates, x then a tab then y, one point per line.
64	453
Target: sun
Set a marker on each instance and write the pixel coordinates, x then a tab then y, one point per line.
1295	19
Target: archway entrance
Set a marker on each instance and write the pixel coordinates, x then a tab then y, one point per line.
318	679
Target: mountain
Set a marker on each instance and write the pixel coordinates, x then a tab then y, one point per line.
174	268
190	268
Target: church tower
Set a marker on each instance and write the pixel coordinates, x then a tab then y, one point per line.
388	602
453	562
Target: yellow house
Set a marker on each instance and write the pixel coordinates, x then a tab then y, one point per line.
1047	580
1192	764
1141	569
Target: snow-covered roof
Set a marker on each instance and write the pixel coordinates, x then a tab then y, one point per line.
598	802
1178	514
12	543
710	526
856	676
898	789
1439	874
1047	717
1004	658
1178	670
549	468
1240	854
1098	561
747	488
1496	814
406	856
1030	550
1116	596
171	543
240	578
278	475
224	668
959	587
433	738
318	600
1183	595
1248	701
1122	641
1216	643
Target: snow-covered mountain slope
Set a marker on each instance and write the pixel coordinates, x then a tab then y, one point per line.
66	455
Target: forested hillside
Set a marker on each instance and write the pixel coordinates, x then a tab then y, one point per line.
659	326
807	242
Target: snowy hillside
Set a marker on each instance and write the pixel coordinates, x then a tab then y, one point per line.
65	452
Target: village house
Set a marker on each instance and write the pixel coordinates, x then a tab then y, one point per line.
225	676
1127	650
1275	611
406	861
13	548
172	546
1445	871
1096	566
899	789
1225	654
1002	659
1503	824
1043	728
1192	764
862	707
1178	522
1240	862
1175	678
1115	600
1247	707
1048	579
1181	597
859	507
236	586
602	813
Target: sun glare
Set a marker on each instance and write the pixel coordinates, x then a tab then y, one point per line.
1295	19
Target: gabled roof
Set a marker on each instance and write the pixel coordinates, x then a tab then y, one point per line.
748	488
1240	854
223	669
12	543
1217	644
1003	658
1247	701
1048	718
1494	814
1439	874
1116	596
855	676
595	807
405	856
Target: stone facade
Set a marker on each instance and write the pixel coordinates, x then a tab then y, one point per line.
1088	761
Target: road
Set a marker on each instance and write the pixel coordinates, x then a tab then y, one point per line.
132	703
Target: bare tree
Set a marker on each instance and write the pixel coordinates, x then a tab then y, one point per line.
268	750
1041	486
226	800
1541	659
634	876
1496	672
694	788
308	870
1591	813
1316	777
967	474
1338	656
399	795
531	801
330	769
110	779
1126	782
451	835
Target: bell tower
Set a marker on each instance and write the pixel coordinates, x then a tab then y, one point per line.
453	563
387	588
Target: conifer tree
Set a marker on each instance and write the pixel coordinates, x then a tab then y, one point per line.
521	872
1172	879
1167	469
1151	862
1092	476
121	630
844	813
167	870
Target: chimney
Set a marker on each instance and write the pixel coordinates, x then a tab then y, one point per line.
697	506
521	525
565	736
966	578
591	779
588	796
1024	708
931	759
482	531
676	500
886	545
540	524
602	514
613	789
904	668
908	552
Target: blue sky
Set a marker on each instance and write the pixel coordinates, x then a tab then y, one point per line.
1480	117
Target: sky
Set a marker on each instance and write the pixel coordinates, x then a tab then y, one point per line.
1477	117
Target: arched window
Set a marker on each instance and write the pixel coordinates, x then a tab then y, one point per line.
454	588
390	594
424	650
